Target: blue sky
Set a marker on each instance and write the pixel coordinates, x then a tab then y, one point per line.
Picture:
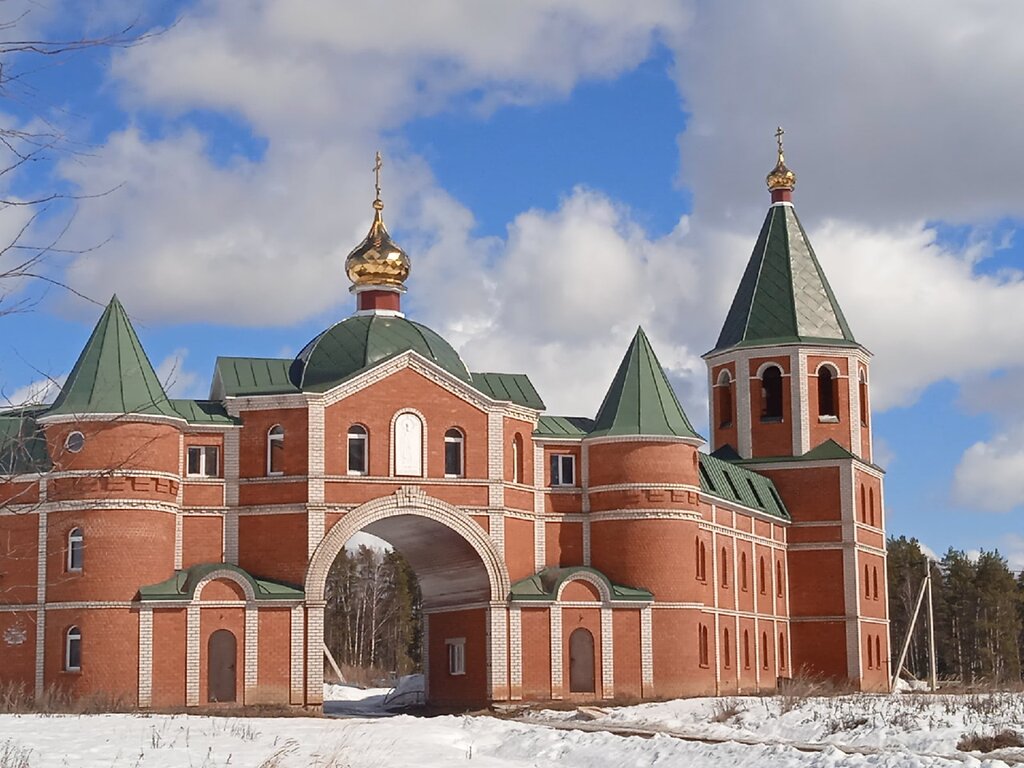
566	172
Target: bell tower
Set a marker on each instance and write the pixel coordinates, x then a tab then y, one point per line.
787	373
789	399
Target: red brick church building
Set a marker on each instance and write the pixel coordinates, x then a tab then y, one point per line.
174	552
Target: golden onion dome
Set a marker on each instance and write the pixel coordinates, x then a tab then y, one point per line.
378	260
780	177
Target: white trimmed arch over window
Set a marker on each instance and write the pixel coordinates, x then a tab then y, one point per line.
73	650
723	392
76	549
275	450
454	453
358	450
828	392
408	444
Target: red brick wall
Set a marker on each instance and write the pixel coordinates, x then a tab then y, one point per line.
646	554
203	494
19	553
274	668
107	634
811	493
875	669
469	689
626	646
724	435
536	628
820	648
18	649
374	408
871	570
821	431
273	546
677	671
816	583
252	456
519	554
119	444
654	462
524	430
202	539
169	653
564	543
113	537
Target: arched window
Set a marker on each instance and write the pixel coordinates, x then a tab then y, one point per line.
761	580
453	458
726	649
863	390
746	649
358	449
696	558
778	578
871	654
782	651
275	450
724	391
878	650
771	394
826	393
743	571
764	650
867	581
76	546
863	505
73	650
702	645
517	459
725	569
874	583
871	504
408	445
703	563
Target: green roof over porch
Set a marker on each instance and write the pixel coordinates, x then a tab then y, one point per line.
182	585
545	585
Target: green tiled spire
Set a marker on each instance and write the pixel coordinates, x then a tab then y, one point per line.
640	400
113	374
784	296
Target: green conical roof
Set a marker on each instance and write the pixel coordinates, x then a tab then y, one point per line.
113	374
784	296
640	400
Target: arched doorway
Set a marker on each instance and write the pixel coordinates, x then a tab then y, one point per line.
221	665
464	584
581	661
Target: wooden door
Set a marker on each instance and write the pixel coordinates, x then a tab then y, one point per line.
581	661
221	659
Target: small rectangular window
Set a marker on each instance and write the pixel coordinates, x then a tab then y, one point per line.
563	469
456	655
203	461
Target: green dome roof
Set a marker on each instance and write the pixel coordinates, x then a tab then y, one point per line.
359	342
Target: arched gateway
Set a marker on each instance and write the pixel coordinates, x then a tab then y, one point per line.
463	579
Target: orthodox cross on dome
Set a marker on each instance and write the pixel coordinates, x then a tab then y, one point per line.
781	180
378	163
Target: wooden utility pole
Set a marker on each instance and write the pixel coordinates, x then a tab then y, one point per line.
926	588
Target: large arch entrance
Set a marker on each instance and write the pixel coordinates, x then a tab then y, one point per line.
464	584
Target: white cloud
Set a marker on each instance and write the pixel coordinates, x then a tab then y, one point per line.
38	392
177	380
989	474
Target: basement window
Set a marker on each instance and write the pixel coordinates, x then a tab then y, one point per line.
563	469
203	461
456	655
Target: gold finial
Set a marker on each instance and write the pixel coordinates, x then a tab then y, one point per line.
378	163
781	178
378	260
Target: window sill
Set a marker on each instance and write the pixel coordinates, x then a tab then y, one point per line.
356	473
275	474
828	419
771	419
726	425
71	671
74	571
454	477
456	674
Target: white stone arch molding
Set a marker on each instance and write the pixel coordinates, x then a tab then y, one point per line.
597	582
774	363
227	575
831	366
393	439
406	501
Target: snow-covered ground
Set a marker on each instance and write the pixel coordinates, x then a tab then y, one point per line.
889	732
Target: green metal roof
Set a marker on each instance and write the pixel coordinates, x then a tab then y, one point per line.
182	585
784	296
563	426
733	483
22	443
545	585
640	400
205	412
515	387
240	376
362	341
113	374
829	450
